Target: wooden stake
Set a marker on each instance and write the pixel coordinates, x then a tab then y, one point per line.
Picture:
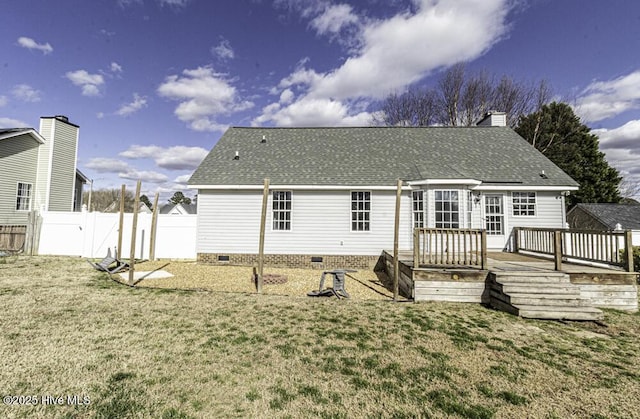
132	253
154	224
396	234
121	225
263	220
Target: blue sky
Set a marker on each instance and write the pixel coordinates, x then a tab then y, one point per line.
153	84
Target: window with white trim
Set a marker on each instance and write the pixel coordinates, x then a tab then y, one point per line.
418	208
469	208
524	204
23	196
447	209
360	210
281	210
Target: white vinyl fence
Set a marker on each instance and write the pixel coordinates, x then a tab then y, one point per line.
91	234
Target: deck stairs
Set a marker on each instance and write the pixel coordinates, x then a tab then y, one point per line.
539	294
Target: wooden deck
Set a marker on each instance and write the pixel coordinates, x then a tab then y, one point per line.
596	286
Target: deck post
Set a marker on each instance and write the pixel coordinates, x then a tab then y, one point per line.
557	249
263	220
154	229
483	249
132	252
516	239
628	250
416	248
120	222
396	234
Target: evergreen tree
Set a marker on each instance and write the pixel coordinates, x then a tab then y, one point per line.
557	132
179	198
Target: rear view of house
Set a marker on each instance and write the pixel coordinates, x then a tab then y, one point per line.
38	170
333	190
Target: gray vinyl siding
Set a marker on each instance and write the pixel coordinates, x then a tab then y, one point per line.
63	166
18	160
44	163
229	222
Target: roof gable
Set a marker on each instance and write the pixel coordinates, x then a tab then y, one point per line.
374	156
6	133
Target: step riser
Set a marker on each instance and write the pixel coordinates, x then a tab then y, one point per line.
532	289
533	279
559	315
532	301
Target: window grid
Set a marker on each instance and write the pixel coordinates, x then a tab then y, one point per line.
281	210
524	204
447	209
360	211
418	209
495	217
23	196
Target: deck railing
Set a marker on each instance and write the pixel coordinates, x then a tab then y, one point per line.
449	247
579	245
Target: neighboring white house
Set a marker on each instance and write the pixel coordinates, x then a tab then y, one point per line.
333	190
38	170
179	209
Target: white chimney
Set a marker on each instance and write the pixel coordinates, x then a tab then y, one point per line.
493	119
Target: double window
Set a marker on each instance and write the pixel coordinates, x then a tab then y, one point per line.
447	210
524	204
360	211
23	196
281	210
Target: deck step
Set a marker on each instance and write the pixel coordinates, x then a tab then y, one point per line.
540	295
535	288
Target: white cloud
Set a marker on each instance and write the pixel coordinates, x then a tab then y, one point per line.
625	137
144	176
392	54
90	83
223	50
334	19
107	165
174	3
3	101
115	67
605	99
182	180
172	158
29	43
203	95
12	123
26	93
138	103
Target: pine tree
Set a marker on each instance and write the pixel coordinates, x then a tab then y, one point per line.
557	132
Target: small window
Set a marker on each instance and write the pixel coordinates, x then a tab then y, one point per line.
447	209
360	211
524	204
418	209
23	196
281	210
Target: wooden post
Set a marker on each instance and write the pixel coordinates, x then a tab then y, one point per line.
121	225
628	250
483	249
132	252
557	249
516	239
29	235
154	225
416	248
263	220
396	234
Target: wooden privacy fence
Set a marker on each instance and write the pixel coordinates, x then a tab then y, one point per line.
12	238
579	245
450	247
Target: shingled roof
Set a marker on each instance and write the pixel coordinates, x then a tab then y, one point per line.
627	215
375	156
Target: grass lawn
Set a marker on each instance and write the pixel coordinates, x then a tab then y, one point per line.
145	352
